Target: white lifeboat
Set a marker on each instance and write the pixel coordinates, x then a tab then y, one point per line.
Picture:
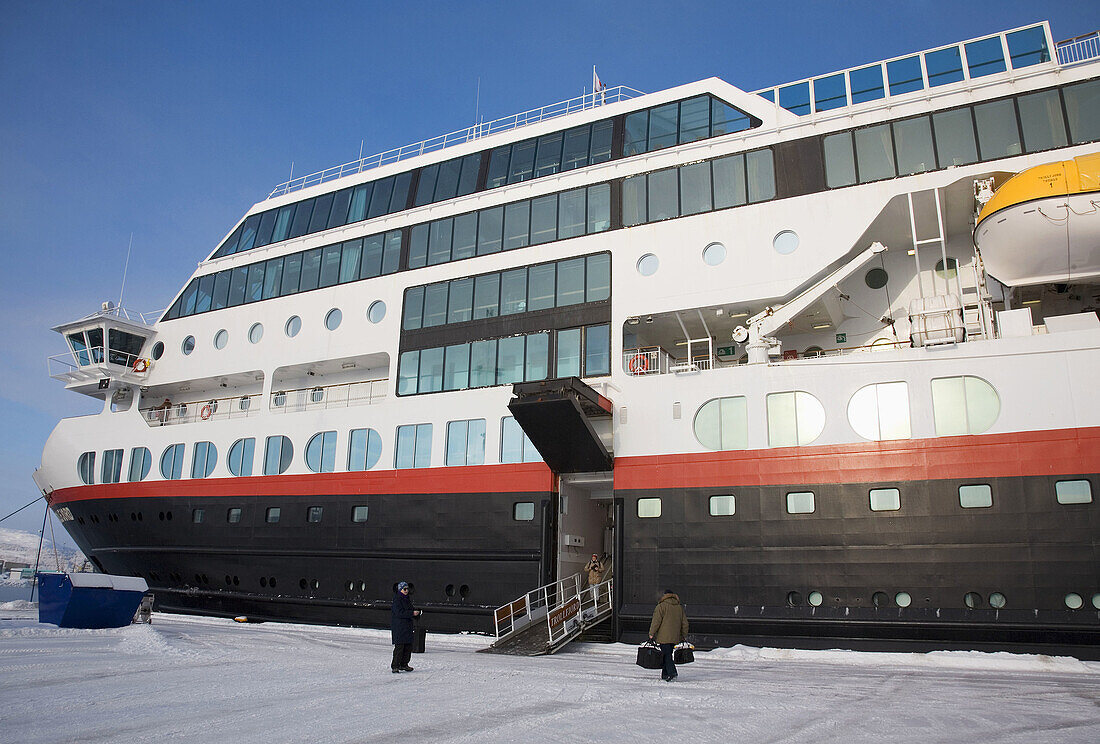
1043	224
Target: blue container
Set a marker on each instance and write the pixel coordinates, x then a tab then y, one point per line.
88	600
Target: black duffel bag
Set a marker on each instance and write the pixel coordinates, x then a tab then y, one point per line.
650	656
683	654
419	637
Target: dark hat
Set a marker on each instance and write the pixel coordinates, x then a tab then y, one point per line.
402	585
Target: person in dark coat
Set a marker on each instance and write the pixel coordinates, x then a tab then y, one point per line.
668	627
401	628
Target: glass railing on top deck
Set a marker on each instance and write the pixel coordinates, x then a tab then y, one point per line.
469	134
967	60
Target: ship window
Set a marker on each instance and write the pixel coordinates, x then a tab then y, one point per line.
466	442
649	508
866	84
202	297
418	246
785	242
278	452
725	119
1027	47
1073	601
694	119
456	367
498	167
538	356
517	219
158	350
487	296
140	462
1041	117
111	469
300	224
760	168
333	318
490	227
648	264
204	460
241	456
220	298
400	197
380	198
795	98
635	130
794	419
722	423
467	180
522	163
435	304
171	462
695	192
513	292
1073	492
233	516
523	511
548	160
876	278
282	224
568	353
985	57
292	273
188	345
255	333
730	189
293	325
376	312
339	214
425	189
800	502
575	153
350	253
1083	111
597	283
880	411
599	208
541	290
464	241
197	515
976	496
875	153
570	279
830	93
634	201
964	405
271	516
663	192
439	241
431	371
221	338
515	446
391	258
721	506
510	360
414	308
359	513
904	75
314	514
414	446
597	350
885	499
364	449
714	254
544	219
663	126
944	66
321	452
998	135
255	289
408	372
913	140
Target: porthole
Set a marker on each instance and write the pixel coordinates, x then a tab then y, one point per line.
263	581
952	269
272	582
449	590
794	599
362	586
158	350
1096	601
350	586
973	600
876	278
332	320
648	264
188	345
997	600
815	599
464	591
1074	601
302	584
316	584
786	242
714	254
293	325
879	599
903	599
255	333
376	312
221	338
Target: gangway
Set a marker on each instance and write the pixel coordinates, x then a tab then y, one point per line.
546	619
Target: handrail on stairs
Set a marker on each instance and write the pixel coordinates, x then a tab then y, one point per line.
555	603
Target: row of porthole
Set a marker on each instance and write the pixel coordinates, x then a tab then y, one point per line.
376	312
972	600
784	243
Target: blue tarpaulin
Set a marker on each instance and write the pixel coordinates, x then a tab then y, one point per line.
88	600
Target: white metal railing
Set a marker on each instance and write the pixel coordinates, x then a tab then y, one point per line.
484	129
329	396
648	360
593	603
111	310
71	363
1079	49
212	409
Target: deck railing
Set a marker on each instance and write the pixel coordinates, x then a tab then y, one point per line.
329	396
1079	49
484	129
210	409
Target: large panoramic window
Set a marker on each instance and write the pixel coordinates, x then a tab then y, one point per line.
241	456
466	442
85	466
964	405
414	446
364	449
204	460
723	424
112	466
171	462
140	463
794	418
278	452
881	411
321	452
515	446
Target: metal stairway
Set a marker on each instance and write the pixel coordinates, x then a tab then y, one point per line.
545	620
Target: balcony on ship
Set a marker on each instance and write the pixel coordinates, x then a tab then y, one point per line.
344	382
104	351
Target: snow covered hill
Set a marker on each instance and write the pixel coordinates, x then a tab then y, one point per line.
22	547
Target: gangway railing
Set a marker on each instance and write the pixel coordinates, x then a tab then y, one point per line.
564	608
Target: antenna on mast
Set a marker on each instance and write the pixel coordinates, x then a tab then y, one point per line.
477	107
125	268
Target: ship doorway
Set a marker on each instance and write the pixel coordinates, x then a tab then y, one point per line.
586	523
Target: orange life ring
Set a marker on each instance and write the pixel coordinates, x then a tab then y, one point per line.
206	412
639	365
141	364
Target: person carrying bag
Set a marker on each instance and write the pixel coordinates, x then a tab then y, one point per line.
668	627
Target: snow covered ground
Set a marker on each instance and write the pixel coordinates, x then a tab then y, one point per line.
204	679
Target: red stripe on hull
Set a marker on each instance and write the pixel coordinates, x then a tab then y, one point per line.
525	478
1033	453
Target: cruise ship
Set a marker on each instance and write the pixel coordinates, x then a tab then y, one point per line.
819	357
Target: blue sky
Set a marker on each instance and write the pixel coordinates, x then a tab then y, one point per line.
168	120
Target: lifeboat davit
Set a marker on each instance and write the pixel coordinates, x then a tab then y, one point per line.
1043	224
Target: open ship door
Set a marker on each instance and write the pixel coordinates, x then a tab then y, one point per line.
557	416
